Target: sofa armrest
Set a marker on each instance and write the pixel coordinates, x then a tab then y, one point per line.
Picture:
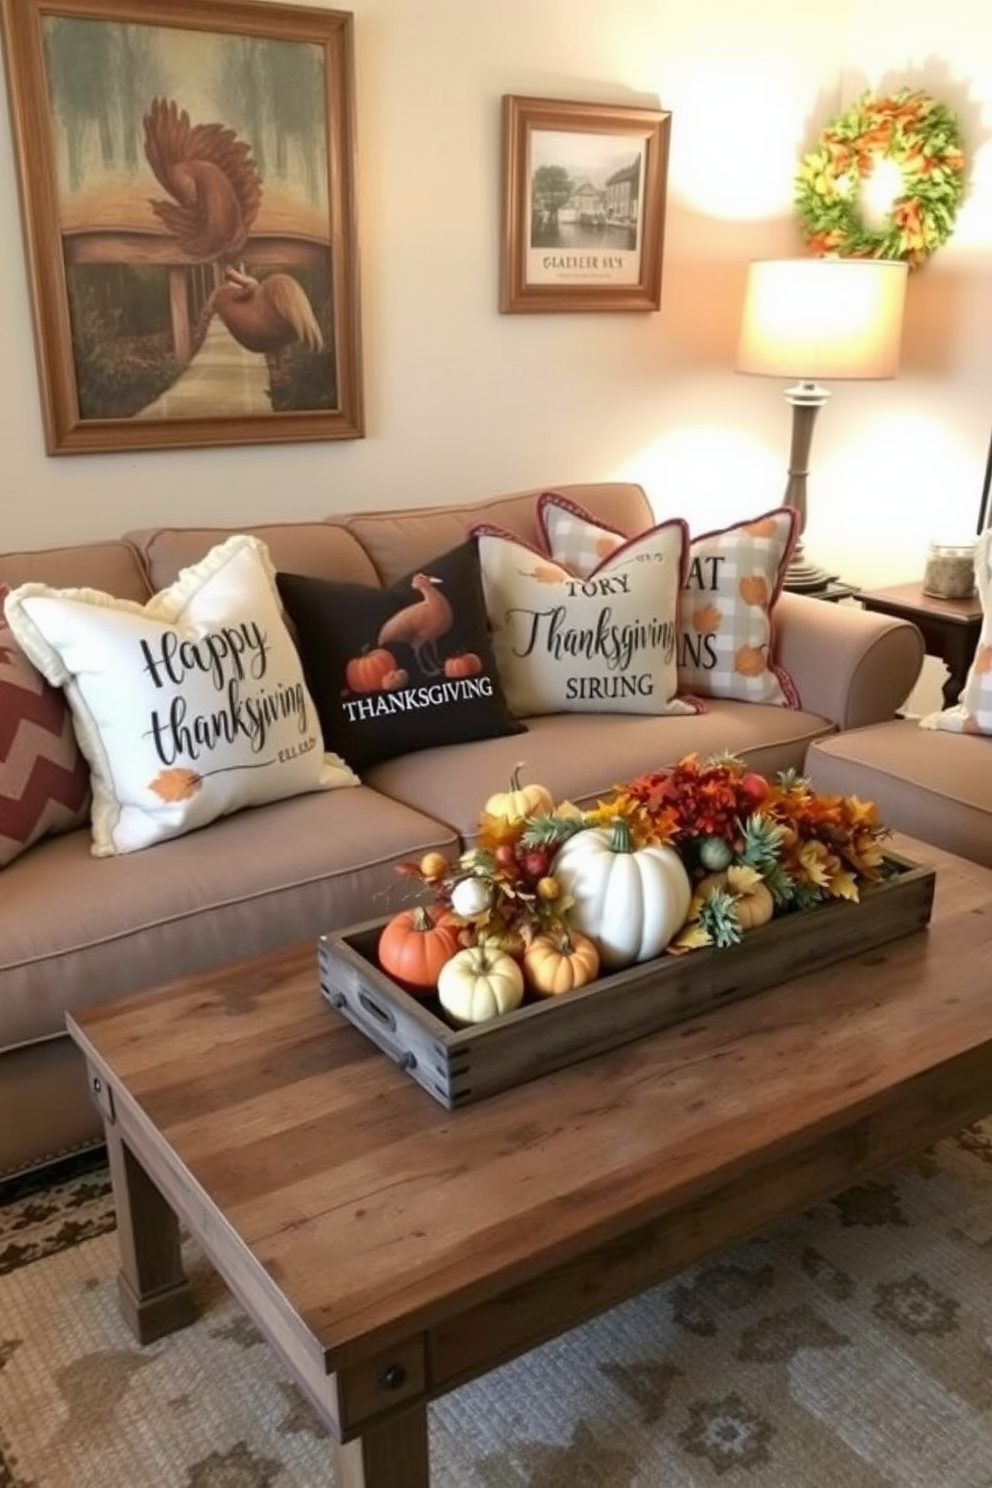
849	665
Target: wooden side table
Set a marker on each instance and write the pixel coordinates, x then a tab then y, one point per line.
833	592
950	627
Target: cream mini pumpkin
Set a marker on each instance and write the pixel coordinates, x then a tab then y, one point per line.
520	800
629	901
479	983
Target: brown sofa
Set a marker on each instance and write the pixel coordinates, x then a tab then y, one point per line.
74	928
934	785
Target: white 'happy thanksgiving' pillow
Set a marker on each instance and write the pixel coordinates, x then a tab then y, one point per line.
187	708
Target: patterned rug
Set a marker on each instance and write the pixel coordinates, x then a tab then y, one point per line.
849	1348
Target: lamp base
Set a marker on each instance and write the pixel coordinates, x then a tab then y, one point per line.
803	577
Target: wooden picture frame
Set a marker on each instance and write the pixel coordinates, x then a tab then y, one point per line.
583	221
187	185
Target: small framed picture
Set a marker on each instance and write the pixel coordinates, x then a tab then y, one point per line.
186	172
583	222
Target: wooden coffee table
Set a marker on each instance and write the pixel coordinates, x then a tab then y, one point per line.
390	1250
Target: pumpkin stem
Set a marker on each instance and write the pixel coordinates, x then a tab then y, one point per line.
421	919
515	776
620	840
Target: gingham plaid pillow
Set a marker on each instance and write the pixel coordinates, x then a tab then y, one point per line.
733	579
972	714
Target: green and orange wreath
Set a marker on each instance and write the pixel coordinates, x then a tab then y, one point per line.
914	133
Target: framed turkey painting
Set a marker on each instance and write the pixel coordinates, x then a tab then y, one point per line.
187	187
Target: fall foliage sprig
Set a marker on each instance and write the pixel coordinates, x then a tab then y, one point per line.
739	834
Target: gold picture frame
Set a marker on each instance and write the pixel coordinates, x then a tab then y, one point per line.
583	220
186	172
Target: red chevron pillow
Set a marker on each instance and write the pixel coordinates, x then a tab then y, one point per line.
44	780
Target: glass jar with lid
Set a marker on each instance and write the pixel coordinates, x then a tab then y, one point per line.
950	570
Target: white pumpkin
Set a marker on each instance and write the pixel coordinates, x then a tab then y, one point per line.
631	902
471	896
480	983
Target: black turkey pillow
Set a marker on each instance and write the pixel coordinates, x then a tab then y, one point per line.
398	669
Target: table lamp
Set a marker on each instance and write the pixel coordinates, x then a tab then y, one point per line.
835	318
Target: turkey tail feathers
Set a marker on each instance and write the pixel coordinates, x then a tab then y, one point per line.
290	300
211	178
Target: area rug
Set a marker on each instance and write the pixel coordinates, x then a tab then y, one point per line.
848	1348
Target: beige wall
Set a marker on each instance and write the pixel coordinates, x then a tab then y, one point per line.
462	401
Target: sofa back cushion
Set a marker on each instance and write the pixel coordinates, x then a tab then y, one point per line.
397	541
113	567
321	550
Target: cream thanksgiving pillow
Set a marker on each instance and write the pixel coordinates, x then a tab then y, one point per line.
187	708
605	642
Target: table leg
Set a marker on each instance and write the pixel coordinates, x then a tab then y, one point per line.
957	653
152	1288
392	1455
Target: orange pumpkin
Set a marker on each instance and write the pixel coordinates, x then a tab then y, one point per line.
466	665
560	962
415	944
753	904
367	673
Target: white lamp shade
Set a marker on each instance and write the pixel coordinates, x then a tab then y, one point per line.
829	318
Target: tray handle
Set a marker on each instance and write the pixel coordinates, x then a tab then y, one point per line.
382	1015
377	1021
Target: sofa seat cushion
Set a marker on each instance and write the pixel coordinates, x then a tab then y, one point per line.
582	759
933	785
78	929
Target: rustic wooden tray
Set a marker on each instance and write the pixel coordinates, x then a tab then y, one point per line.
460	1065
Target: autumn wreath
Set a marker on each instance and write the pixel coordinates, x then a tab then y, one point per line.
918	139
